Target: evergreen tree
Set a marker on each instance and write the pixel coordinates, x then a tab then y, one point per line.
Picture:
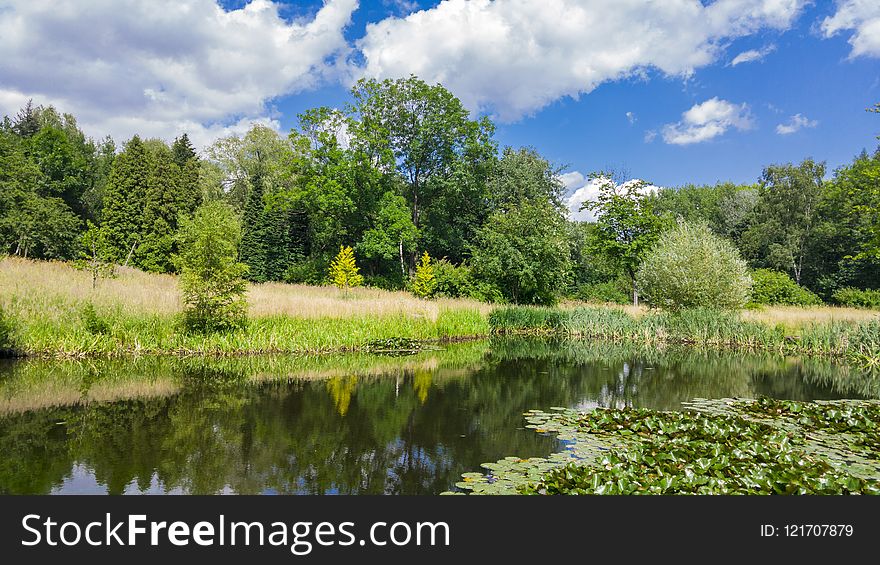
344	270
253	241
424	281
124	199
188	188
161	208
27	122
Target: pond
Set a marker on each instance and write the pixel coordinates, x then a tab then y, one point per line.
346	424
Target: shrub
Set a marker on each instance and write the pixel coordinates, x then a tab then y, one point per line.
691	267
308	271
453	281
773	287
344	272
857	298
424	282
603	292
210	274
92	322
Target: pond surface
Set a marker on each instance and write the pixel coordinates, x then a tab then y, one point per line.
345	424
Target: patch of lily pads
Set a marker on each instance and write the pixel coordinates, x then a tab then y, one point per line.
724	446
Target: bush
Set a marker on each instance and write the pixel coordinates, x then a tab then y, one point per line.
857	298
453	281
773	287
344	272
92	322
691	267
210	274
603	292
309	271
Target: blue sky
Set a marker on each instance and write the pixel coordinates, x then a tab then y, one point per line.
595	84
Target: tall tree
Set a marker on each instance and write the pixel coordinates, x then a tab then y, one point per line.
187	160
161	208
786	216
627	225
253	248
27	123
124	196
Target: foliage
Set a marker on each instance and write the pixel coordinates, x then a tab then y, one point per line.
343	270
774	287
627	225
603	292
690	267
424	281
308	271
682	453
7	331
93	256
210	274
857	298
786	217
91	321
393	236
524	252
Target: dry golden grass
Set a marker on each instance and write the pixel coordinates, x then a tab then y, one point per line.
137	292
796	317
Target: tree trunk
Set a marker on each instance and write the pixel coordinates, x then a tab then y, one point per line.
402	265
130	252
635	294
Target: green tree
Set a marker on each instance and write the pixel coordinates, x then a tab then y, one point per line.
344	270
187	160
786	216
210	273
691	267
522	175
627	226
252	249
524	252
124	196
393	235
162	206
424	281
94	253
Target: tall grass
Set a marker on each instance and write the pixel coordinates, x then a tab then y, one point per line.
55	312
858	341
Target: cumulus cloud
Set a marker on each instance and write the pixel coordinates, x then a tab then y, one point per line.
706	121
582	189
863	18
513	57
162	67
752	55
797	122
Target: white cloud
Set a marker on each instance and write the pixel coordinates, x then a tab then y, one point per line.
513	57
706	121
161	67
863	18
752	55
631	118
797	122
650	135
583	189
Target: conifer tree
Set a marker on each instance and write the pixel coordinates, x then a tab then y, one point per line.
188	188
424	281
124	198
161	208
252	250
344	270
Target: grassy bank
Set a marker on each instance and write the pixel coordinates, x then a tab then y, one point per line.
52	310
857	340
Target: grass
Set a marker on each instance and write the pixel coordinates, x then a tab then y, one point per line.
856	338
54	311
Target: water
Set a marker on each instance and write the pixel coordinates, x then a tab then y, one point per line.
350	424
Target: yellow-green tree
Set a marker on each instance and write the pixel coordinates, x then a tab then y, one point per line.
425	281
344	270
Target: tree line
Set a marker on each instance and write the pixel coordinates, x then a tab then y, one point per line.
404	177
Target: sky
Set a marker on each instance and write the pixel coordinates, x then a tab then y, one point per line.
673	92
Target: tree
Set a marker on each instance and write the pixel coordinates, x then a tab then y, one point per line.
124	196
424	282
523	175
210	273
424	133
187	161
393	234
691	267
524	252
161	208
786	216
252	248
94	254
627	225
343	269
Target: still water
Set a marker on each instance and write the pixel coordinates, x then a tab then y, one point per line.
345	424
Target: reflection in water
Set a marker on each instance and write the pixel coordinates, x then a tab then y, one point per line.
344	424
